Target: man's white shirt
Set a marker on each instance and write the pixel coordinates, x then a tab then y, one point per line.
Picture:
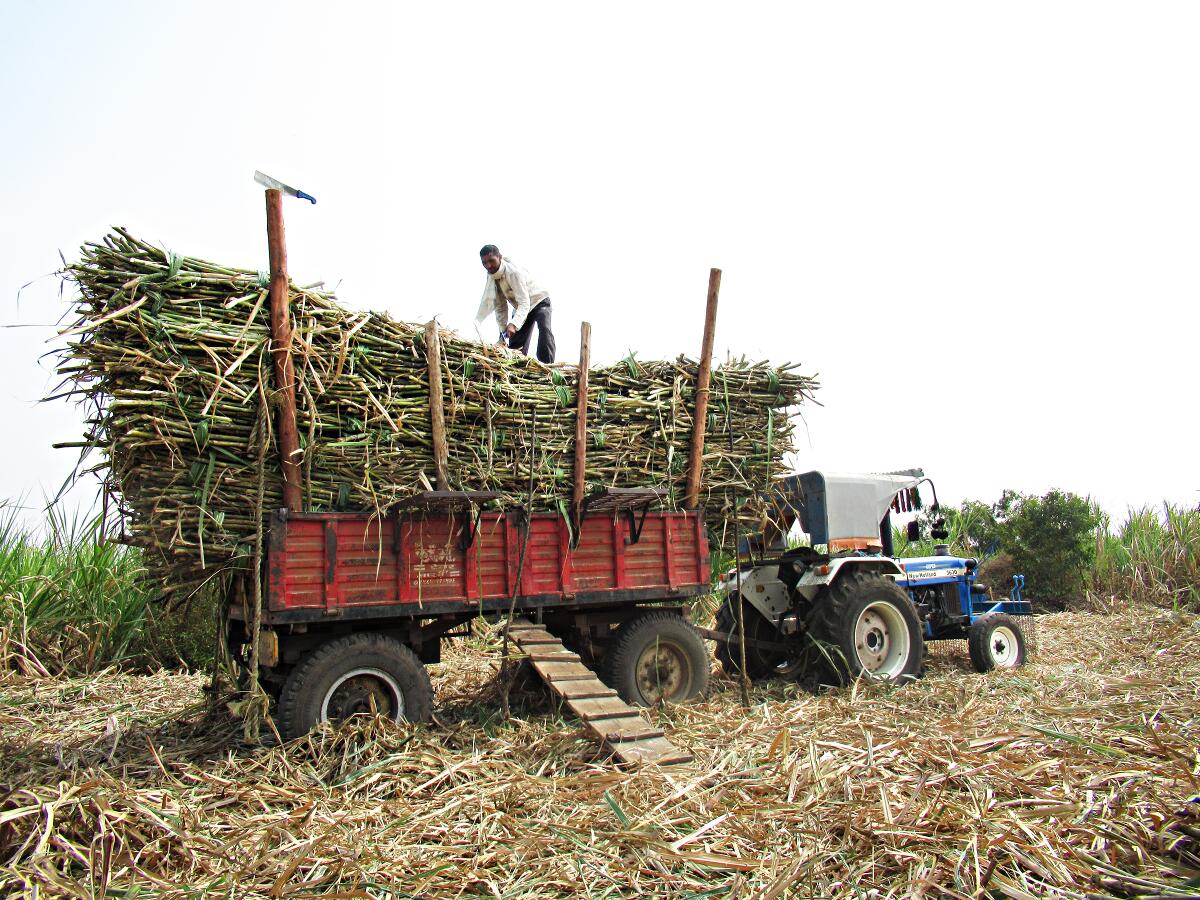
510	286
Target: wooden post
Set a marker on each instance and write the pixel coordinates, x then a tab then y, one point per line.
281	354
437	415
581	402
703	377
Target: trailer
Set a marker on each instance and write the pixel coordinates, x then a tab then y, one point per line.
356	605
347	608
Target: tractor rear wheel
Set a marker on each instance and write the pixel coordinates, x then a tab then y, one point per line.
760	663
866	626
995	641
657	657
359	674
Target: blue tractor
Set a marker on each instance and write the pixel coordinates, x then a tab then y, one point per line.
853	609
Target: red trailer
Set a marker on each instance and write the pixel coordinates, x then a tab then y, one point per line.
356	603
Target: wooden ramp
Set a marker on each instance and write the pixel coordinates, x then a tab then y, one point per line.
631	738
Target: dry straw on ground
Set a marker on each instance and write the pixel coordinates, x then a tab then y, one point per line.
1071	777
172	357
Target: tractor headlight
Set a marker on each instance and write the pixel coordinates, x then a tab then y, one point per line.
970	562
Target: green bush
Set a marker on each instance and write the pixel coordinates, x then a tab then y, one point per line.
1051	540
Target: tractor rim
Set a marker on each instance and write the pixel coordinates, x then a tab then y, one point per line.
363	692
881	640
663	672
1002	645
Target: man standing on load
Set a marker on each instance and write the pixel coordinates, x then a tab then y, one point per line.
509	285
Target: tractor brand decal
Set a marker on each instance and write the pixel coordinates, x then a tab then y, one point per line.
916	574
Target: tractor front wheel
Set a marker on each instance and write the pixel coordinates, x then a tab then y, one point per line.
866	626
996	641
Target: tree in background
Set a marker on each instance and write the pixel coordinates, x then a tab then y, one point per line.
1051	540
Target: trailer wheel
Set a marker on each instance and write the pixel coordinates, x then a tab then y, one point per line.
760	663
865	625
355	675
657	657
996	641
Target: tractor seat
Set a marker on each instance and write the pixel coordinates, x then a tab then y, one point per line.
793	563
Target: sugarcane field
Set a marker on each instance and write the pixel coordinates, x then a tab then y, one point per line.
800	503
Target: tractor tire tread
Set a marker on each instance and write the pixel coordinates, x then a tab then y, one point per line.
979	639
832	618
630	640
727	653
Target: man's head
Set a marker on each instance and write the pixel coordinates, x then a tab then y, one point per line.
491	258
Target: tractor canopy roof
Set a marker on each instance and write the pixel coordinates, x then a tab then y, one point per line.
835	507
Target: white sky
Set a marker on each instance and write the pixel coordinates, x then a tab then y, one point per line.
978	223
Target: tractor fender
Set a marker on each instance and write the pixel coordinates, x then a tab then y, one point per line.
763	590
816	578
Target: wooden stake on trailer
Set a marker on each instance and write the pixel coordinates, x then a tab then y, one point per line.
581	402
437	415
281	354
703	377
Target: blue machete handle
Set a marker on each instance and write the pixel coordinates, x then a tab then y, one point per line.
300	195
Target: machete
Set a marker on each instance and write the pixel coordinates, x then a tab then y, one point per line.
271	184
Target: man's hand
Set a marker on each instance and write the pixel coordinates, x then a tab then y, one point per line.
511	329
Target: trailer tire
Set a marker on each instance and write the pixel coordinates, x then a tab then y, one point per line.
996	641
866	626
760	663
350	675
657	657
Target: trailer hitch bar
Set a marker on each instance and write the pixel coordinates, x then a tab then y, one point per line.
726	638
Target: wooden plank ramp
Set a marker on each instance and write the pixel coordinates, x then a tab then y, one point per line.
630	737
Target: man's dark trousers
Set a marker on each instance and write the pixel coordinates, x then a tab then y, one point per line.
540	316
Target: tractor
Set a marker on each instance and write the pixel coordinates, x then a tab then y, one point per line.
852	609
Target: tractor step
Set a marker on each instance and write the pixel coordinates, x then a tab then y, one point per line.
631	738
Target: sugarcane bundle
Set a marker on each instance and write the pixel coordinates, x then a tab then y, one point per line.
172	357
